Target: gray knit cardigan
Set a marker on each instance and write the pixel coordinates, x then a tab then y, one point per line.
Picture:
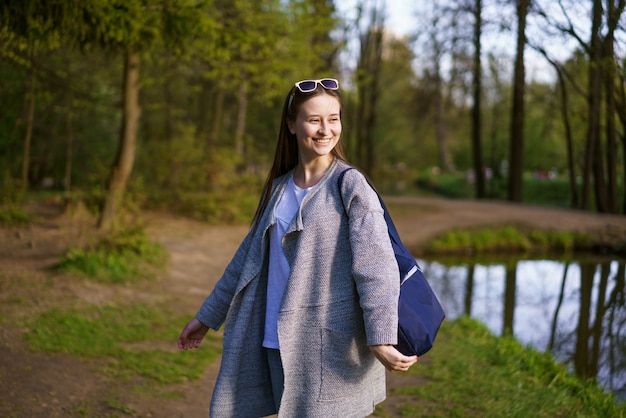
341	296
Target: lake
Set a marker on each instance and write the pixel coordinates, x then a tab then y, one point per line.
575	308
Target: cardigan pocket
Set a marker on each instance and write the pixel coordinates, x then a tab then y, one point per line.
344	364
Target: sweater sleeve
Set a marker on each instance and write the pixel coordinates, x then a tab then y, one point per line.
214	309
374	266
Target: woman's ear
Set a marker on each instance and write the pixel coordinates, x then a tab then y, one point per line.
291	128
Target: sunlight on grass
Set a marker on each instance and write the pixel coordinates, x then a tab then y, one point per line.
474	373
108	332
506	239
120	258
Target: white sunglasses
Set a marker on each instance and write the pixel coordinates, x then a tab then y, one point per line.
306	86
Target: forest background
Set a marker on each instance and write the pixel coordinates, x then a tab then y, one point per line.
176	103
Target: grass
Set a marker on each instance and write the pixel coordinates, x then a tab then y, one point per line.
129	338
126	256
474	373
13	216
507	239
471	372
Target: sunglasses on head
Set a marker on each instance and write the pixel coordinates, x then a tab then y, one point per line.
306	86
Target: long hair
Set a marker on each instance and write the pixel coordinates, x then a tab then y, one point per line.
286	154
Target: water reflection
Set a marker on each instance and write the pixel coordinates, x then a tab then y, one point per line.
575	309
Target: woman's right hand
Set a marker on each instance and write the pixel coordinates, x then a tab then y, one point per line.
391	358
192	335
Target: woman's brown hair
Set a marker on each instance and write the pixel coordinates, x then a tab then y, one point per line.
286	154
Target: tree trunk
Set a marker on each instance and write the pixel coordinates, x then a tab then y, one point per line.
573	189
594	97
440	126
368	75
123	166
476	111
611	130
30	120
516	166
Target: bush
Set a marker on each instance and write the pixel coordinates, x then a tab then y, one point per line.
118	258
13	216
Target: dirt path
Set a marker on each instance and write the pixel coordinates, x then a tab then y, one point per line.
61	385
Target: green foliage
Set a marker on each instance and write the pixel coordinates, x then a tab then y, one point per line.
130	338
124	256
185	180
537	189
507	239
474	373
13	216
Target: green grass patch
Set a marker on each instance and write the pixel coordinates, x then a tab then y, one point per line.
122	257
474	373
509	239
13	216
136	340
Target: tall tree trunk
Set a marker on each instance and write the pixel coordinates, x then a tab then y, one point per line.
611	130
594	97
476	111
440	126
123	166
621	112
516	157
30	120
368	79
571	166
370	121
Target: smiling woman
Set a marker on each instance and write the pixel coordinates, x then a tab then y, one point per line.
309	302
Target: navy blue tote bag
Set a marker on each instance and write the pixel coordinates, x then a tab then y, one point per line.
419	311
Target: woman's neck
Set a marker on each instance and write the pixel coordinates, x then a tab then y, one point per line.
308	174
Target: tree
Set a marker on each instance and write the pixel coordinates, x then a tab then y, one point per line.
118	26
476	105
599	168
368	82
516	164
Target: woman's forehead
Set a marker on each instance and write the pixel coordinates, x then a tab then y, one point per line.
323	104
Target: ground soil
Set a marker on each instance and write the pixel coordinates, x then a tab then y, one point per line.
61	385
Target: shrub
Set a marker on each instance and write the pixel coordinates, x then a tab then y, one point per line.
117	258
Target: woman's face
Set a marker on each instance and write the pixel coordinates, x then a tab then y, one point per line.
317	127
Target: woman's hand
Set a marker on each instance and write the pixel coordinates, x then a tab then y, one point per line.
391	358
192	335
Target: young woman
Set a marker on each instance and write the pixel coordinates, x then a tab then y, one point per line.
309	301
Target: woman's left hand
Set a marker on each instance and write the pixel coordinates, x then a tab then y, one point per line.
391	358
